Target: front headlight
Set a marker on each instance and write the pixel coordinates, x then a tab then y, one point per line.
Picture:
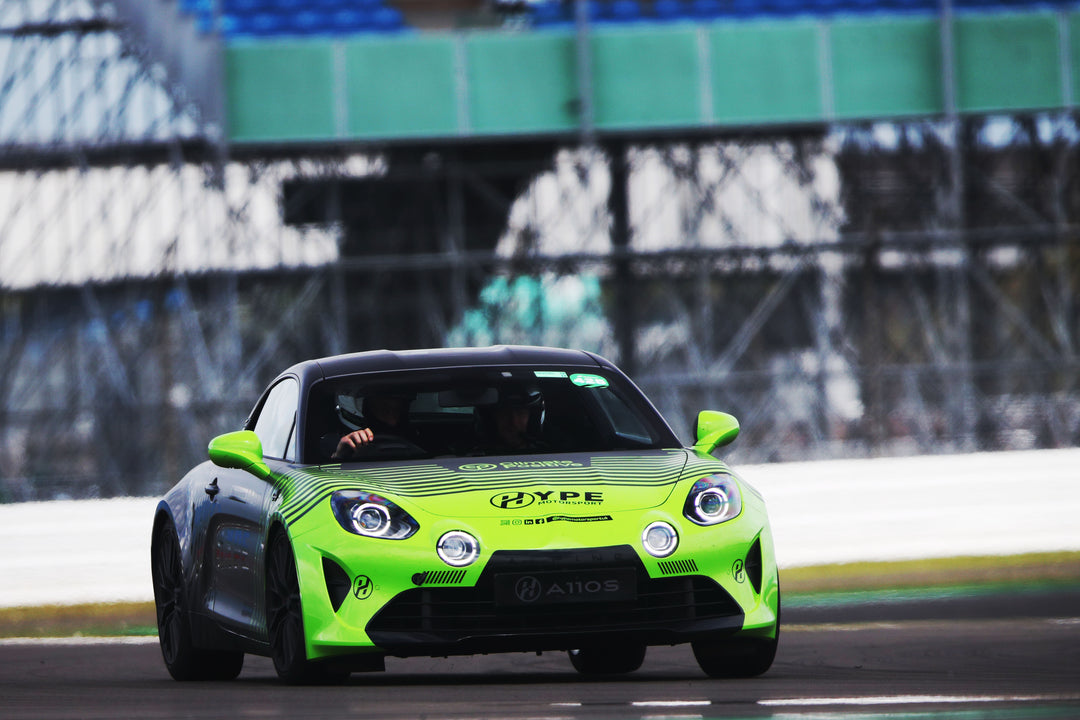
712	500
370	515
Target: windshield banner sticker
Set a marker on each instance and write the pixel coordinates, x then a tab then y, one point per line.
520	464
587	380
537	464
523	465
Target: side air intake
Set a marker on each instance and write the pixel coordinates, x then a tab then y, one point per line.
337	582
753	565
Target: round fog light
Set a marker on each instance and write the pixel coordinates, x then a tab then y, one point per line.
660	539
458	548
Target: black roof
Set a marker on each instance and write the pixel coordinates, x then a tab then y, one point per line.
390	360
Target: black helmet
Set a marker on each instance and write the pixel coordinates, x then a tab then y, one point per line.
518	396
525	397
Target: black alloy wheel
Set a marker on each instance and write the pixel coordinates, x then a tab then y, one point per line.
285	620
614	659
183	660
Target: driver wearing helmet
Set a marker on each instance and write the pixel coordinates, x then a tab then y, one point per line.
515	422
384	415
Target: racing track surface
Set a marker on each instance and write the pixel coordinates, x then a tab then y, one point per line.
1009	665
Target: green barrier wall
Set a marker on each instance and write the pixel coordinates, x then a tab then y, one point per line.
648	77
762	73
887	69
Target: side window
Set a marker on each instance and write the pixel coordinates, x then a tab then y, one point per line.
277	419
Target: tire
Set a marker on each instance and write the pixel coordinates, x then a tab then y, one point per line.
616	659
183	660
738	657
285	620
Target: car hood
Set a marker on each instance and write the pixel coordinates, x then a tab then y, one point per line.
576	484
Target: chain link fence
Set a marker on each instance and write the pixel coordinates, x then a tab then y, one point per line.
846	291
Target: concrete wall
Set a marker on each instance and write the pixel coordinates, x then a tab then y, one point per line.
68	552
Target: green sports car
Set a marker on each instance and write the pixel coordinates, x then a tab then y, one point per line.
446	502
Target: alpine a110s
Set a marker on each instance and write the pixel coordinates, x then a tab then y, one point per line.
446	502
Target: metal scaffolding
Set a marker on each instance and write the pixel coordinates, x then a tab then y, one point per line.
852	290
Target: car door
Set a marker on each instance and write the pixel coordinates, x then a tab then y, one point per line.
238	525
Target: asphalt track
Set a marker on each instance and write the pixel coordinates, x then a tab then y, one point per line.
976	659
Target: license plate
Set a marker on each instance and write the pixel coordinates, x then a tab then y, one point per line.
551	588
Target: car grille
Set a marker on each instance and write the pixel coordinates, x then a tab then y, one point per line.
665	608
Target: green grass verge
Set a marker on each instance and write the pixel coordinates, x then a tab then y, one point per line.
99	619
1029	569
966	573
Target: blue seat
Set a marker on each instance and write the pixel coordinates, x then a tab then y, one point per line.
744	8
387	20
670	10
597	10
825	7
624	11
350	20
312	22
550	14
236	25
243	7
286	6
266	24
706	9
194	6
784	8
862	7
910	5
204	21
203	13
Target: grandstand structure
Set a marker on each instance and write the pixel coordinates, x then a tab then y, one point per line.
852	223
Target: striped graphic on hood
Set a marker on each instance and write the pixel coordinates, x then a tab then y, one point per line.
303	489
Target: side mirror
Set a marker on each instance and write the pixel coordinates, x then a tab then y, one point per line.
241	450
714	429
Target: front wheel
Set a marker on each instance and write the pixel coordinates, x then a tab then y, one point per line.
286	620
738	657
183	660
735	658
615	659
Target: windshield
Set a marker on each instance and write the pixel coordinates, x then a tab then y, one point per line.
480	411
